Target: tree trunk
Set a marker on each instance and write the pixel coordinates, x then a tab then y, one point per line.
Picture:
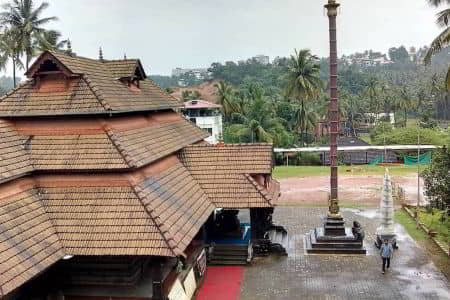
301	125
406	117
14	71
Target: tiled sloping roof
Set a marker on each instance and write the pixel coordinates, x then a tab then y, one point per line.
122	68
14	160
224	172
28	244
116	95
176	200
103	149
147	144
103	221
234	158
271	194
27	100
81	152
198	104
97	91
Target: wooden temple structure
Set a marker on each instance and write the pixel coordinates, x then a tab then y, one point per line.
106	191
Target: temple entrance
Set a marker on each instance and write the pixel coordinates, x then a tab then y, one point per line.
235	236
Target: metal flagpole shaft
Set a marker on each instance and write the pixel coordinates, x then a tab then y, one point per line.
418	177
333	113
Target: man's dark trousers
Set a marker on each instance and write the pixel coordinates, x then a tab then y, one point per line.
388	260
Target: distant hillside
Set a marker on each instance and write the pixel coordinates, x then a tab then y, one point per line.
7	84
164	81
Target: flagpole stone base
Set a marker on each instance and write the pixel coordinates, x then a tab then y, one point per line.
335	238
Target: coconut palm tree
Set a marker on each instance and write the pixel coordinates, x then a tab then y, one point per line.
443	39
372	91
303	81
225	93
49	40
25	17
257	121
405	101
10	49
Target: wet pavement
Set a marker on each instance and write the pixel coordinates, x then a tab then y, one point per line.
301	276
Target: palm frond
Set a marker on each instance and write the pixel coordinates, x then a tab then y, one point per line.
447	78
440	42
437	3
443	18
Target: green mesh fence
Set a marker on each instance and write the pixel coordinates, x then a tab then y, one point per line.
424	159
379	159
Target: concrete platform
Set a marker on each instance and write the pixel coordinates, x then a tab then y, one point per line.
319	243
412	275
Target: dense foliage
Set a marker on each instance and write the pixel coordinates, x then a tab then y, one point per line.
437	177
405	88
443	39
385	133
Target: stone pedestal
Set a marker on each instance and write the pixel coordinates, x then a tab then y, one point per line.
334	237
334	226
317	242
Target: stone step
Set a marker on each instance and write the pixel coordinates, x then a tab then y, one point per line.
227	262
230	252
229	257
279	240
230	247
347	245
331	245
335	222
335	231
336	251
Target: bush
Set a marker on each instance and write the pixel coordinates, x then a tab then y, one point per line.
299	159
308	159
437	177
408	136
380	130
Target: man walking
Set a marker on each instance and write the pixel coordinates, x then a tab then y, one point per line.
386	252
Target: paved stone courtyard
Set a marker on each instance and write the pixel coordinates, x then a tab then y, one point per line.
301	276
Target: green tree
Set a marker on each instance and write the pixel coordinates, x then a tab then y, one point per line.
225	94
50	40
303	82
405	102
10	49
437	176
443	39
26	19
372	91
257	122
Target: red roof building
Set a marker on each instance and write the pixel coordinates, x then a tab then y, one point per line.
104	188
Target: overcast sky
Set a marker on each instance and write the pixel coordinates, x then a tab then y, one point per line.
194	33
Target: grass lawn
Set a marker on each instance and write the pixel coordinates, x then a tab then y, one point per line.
432	222
281	172
441	260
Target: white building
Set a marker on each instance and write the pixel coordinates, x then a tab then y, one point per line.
262	59
205	115
199	73
372	118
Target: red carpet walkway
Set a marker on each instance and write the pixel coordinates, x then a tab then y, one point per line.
222	283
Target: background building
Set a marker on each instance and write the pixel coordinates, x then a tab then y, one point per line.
262	59
205	115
